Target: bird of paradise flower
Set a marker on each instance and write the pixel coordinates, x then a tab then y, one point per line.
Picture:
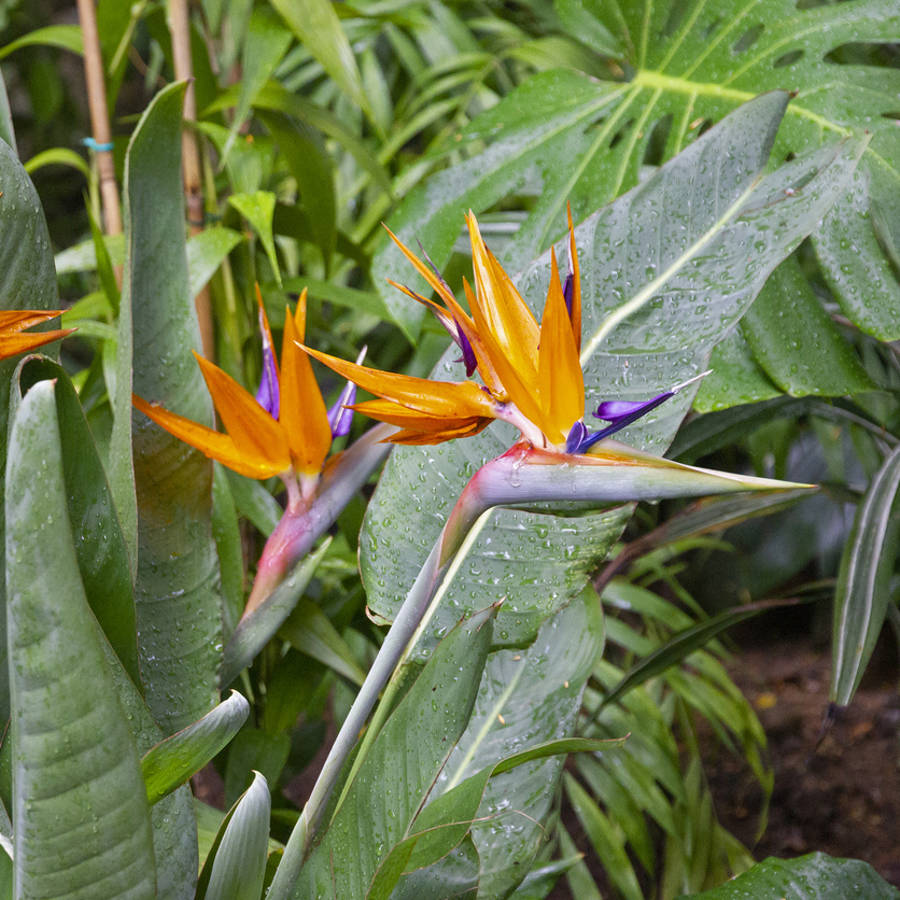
531	372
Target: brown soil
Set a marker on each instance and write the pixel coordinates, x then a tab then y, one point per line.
842	797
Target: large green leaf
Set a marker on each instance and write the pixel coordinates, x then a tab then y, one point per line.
685	253
27	281
177	589
526	697
864	581
7	131
82	823
99	545
400	768
811	877
688	65
795	341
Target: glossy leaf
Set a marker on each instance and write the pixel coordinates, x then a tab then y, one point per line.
178	587
171	762
257	629
815	876
82	820
386	795
99	544
795	341
688	67
736	378
236	865
27	281
864	581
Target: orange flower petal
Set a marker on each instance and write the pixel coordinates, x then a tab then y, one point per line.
439	287
255	433
211	443
434	398
303	413
411	437
13	344
402	416
17	319
500	310
559	370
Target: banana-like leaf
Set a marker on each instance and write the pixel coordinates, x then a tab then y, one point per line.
863	590
715	231
689	65
815	876
526	697
258	208
236	864
178	584
386	795
82	822
66	37
27	281
171	762
99	544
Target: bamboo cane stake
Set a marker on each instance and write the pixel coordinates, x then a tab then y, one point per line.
180	30
102	137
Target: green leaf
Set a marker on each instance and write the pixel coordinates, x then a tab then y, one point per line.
711	207
794	340
27	281
83	824
362	301
400	768
171	762
445	821
99	545
310	631
178	586
236	865
264	45
312	169
815	876
255	630
66	37
205	252
678	647
864	581
258	208
318	28
7	131
58	156
736	378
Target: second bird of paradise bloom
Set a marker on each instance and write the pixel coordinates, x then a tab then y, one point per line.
284	430
13	323
531	372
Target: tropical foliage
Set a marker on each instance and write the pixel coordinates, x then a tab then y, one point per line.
187	597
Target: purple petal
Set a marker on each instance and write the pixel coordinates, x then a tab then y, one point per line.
576	437
339	417
613	410
268	395
468	354
568	287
